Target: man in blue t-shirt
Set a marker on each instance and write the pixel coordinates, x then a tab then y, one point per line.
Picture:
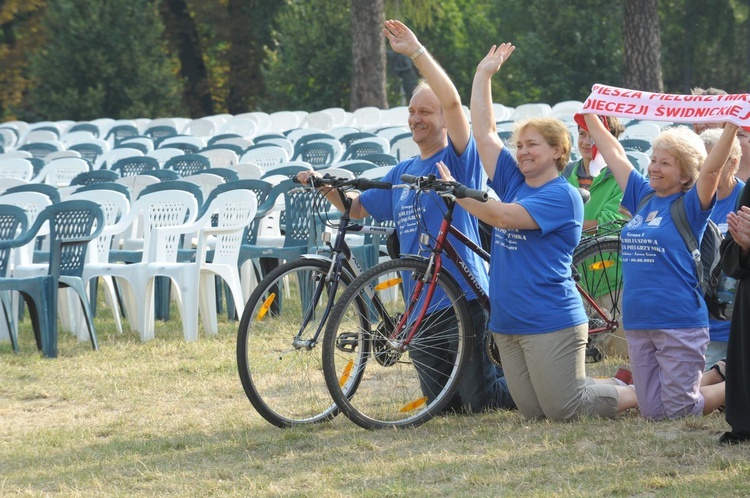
441	129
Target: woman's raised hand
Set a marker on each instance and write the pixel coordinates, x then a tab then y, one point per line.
495	58
445	173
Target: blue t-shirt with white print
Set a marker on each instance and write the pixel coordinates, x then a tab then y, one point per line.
532	290
660	288
398	205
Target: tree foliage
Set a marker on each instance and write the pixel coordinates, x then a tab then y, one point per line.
102	59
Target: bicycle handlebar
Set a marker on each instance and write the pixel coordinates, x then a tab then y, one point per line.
337	182
431	182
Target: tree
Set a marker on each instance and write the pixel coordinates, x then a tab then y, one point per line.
309	66
183	34
642	42
368	54
19	35
250	33
102	59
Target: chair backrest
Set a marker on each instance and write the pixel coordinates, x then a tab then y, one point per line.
404	147
50	191
641	131
90	151
228	174
119	132
159	132
230	208
381	159
60	154
289	171
42	149
163	154
7	183
190	187
347	139
96	176
319	154
85	126
187	164
265	156
108	158
241	126
283	120
206	181
248	171
61	172
365	147
13	222
161	208
186	143
142	143
72	225
366	117
114	204
638	144
137	165
164	175
298	214
136	183
283	142
220	157
16	167
376	173
241	143
200	127
356	166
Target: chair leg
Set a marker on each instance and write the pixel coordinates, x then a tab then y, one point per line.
7	314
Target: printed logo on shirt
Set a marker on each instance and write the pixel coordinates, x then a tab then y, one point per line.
651	216
404	194
636	222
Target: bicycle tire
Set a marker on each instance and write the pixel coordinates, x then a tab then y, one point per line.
283	380
599	272
358	357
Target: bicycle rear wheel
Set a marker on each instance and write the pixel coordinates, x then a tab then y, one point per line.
278	358
397	384
599	273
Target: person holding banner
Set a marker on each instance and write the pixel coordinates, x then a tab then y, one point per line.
538	321
664	315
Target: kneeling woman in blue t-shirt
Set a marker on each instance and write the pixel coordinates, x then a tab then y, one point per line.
664	314
537	315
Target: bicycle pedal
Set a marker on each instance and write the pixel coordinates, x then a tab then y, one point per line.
347	342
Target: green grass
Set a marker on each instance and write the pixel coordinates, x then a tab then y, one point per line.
168	417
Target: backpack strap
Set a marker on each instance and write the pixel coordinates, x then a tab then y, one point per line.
679	216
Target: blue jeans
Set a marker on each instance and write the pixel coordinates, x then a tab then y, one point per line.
482	385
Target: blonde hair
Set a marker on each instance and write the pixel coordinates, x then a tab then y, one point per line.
554	132
686	147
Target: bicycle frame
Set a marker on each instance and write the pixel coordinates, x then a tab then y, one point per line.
341	259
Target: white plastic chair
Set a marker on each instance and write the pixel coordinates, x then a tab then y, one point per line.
283	120
220	158
61	171
195	281
200	127
110	157
641	131
376	173
248	171
262	120
60	154
158	209
114	205
240	126
404	148
531	110
284	143
16	167
163	154
320	120
265	157
366	117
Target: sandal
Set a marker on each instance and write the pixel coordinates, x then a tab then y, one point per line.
721	368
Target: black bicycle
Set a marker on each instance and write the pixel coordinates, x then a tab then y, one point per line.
277	355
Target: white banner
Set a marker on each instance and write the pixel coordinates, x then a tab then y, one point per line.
620	102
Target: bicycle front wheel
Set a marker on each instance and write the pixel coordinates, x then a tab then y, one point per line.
384	369
278	357
599	270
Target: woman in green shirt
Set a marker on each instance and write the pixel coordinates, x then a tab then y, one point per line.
604	205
